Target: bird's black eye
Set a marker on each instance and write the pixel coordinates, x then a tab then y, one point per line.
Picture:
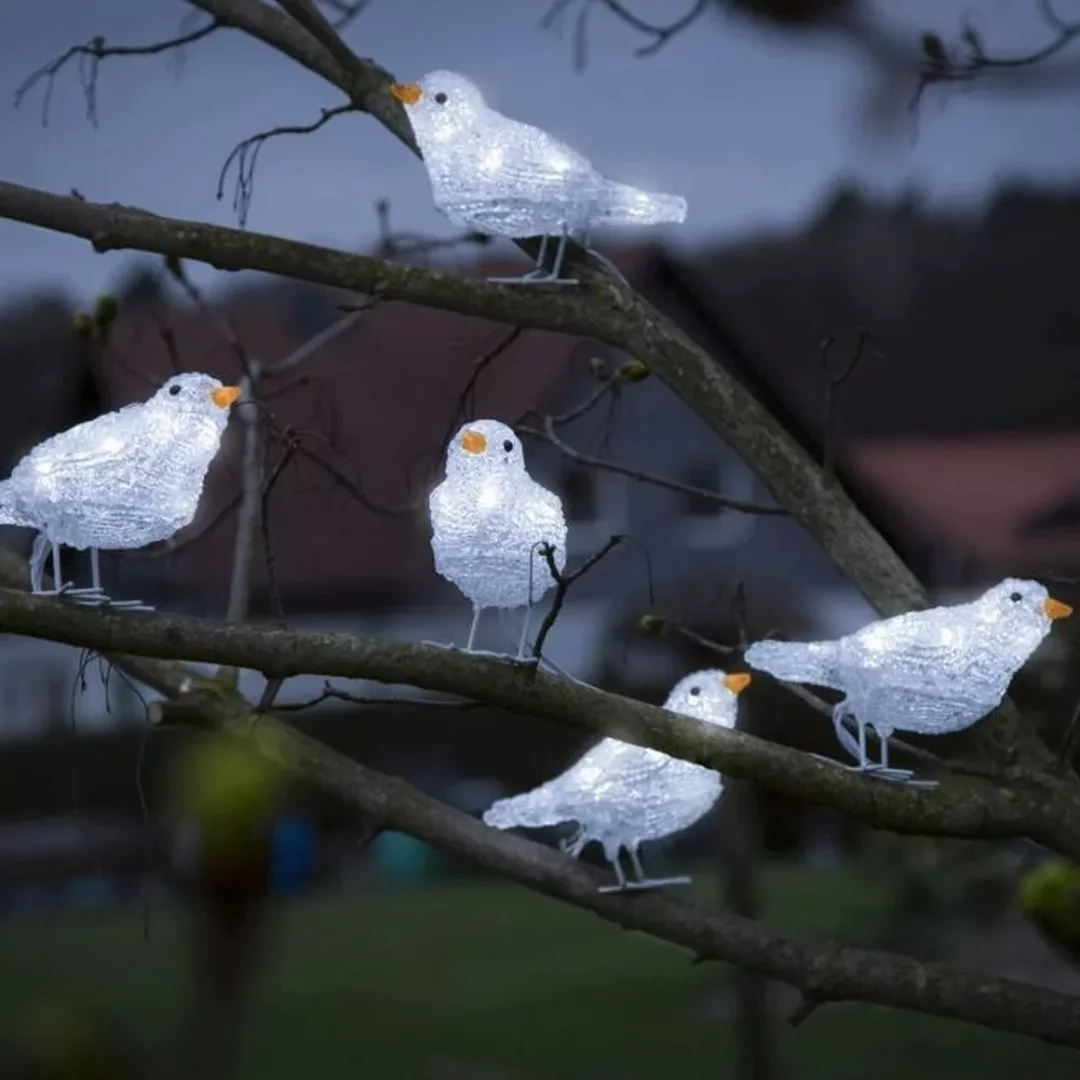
1016	597
440	98
508	445
174	389
695	690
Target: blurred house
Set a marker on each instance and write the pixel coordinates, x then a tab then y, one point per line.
954	430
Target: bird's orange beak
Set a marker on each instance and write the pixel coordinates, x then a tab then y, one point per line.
472	442
737	683
1055	609
224	396
406	93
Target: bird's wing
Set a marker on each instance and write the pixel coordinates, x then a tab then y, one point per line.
99	446
530	156
941	642
549	515
609	766
939	708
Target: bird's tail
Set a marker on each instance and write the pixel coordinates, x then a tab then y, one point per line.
626	205
10	514
798	661
532	810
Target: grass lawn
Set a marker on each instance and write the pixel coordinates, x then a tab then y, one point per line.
486	980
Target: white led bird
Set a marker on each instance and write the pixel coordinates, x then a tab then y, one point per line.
926	672
490	520
501	177
621	795
122	480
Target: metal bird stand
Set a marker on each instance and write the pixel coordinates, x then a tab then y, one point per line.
574	845
540	275
881	769
93	596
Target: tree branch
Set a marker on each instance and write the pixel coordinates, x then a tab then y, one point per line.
245	155
588	461
90	56
823	971
1045	811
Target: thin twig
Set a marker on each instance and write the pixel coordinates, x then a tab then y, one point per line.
90	56
562	585
246	156
833	382
315	344
346	13
660	35
590	462
333	693
968	59
251	498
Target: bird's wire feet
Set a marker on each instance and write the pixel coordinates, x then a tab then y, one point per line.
573	846
487	654
540	275
878	770
92	597
639	882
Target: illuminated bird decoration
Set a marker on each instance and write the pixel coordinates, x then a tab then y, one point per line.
494	175
926	672
490	521
621	795
122	480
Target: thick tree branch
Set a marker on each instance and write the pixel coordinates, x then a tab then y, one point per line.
824	971
1046	811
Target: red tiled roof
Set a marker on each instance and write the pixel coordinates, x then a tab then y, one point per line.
975	494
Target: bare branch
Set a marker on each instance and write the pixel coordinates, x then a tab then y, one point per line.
587	461
968	59
1043	809
823	971
89	57
833	381
251	498
316	344
346	12
661	35
563	582
334	693
245	155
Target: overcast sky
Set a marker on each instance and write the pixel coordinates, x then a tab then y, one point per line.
750	128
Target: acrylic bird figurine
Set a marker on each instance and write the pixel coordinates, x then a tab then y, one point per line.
621	795
925	672
122	480
490	521
497	176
